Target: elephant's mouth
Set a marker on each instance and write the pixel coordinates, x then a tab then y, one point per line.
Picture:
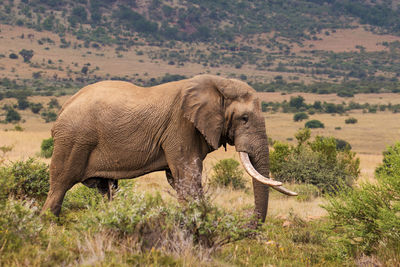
248	166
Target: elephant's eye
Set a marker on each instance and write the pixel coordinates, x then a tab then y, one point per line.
245	118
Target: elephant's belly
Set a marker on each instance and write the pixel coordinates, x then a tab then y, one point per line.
121	166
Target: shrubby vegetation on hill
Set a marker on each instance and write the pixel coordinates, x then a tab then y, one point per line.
297	105
176	26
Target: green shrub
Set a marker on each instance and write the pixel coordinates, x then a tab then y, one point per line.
82	197
49	116
36	107
24	179
22	103
19	225
18	128
226	173
152	221
12	115
46	148
317	162
351	120
314	124
391	162
367	217
342	144
300	116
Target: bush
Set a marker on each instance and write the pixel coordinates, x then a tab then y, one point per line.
13	56
391	162
49	116
300	116
46	148
12	115
227	174
23	103
36	107
26	54
342	144
25	179
351	120
314	124
53	103
19	225
153	222
367	217
317	162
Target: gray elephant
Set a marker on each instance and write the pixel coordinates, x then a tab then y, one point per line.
114	130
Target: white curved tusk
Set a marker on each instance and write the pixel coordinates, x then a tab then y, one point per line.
284	190
244	158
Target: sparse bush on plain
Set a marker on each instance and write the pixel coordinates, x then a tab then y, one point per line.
318	162
312	124
49	115
299	116
46	148
226	173
12	115
36	107
351	120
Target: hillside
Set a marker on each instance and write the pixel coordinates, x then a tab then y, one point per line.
339	46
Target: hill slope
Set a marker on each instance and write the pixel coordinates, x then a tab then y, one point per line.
276	45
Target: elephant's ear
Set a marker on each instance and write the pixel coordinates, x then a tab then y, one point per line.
203	105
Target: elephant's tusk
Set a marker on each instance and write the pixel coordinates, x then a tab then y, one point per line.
284	190
244	158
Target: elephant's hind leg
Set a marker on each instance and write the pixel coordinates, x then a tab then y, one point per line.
66	169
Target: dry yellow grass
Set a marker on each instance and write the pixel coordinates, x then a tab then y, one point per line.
371	135
309	98
345	40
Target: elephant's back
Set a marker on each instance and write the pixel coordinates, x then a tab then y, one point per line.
102	91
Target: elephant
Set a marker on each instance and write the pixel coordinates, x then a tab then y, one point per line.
113	130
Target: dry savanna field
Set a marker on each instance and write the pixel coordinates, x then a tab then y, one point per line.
369	137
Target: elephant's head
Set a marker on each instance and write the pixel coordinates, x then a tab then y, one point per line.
228	111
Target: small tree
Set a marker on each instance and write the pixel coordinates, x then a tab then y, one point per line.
227	174
49	116
23	103
53	103
12	115
26	54
317	162
36	107
314	124
84	70
46	148
13	56
351	120
299	116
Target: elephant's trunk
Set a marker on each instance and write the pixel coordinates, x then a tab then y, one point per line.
261	182
260	161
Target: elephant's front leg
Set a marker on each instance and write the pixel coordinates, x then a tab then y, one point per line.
186	174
